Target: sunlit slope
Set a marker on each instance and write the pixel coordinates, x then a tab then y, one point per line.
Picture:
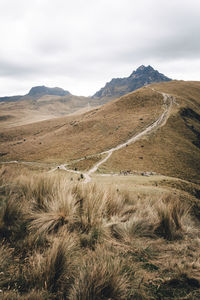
72	137
173	149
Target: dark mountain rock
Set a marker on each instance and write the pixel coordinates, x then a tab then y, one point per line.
43	90
10	99
120	86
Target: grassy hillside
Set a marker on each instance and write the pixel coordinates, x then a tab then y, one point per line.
172	150
72	137
66	240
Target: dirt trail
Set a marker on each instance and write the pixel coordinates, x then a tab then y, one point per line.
168	101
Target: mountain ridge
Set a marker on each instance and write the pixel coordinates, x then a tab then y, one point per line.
142	76
43	90
117	87
35	92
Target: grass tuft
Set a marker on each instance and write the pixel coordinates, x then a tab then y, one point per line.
101	277
171	217
61	240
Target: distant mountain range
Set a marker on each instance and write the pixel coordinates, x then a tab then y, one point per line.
37	92
120	86
117	87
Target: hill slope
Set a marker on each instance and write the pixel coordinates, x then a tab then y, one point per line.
36	108
120	86
42	103
172	149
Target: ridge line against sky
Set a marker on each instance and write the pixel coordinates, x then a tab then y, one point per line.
80	45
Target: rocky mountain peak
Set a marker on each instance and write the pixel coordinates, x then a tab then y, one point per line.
143	70
120	86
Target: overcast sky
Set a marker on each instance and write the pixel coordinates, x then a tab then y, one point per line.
79	45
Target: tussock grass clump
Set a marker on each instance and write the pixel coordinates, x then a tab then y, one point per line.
38	190
12	220
73	241
171	219
58	268
52	271
80	208
101	277
96	206
167	217
137	219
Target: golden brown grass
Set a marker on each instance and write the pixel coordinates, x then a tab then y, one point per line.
69	138
172	215
62	240
101	277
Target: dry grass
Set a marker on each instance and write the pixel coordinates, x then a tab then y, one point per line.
93	132
171	219
75	241
101	277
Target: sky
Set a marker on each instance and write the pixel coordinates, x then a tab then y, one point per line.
79	45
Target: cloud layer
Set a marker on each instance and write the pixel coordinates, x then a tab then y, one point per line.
81	44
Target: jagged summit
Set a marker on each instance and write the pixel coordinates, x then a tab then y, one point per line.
43	90
142	69
120	86
148	71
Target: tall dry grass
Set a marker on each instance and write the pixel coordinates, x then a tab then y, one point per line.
101	277
74	241
172	219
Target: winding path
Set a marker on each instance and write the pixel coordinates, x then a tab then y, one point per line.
168	102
